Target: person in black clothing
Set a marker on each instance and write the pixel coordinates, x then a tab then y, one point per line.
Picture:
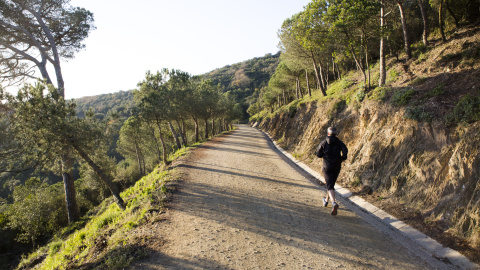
334	152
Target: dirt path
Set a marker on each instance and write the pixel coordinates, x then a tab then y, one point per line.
241	206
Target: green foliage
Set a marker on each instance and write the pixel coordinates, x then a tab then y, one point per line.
467	110
418	113
418	81
437	91
379	93
403	96
55	247
338	87
360	96
393	74
292	108
111	226
38	210
337	108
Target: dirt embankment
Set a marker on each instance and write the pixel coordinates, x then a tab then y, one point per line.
426	173
415	170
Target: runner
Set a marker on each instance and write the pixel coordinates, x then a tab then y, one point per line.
334	152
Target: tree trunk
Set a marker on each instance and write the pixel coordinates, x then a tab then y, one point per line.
69	187
327	74
408	51
383	72
182	135
206	128
450	11
137	152
184	132
308	83
213	123
365	41
195	120
174	134
323	83
339	75
317	75
441	21
423	10
162	140
156	143
100	173
359	64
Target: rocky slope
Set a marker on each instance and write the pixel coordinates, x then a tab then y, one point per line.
414	146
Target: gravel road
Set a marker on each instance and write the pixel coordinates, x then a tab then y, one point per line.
242	206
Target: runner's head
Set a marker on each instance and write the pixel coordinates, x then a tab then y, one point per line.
331	131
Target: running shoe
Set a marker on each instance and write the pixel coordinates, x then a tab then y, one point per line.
325	202
334	209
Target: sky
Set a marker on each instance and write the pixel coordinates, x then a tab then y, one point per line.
195	36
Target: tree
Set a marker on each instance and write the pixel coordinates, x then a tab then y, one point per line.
44	125
36	33
150	102
423	10
353	19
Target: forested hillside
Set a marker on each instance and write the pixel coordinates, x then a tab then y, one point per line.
401	82
407	69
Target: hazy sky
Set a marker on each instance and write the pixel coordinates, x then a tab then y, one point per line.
195	36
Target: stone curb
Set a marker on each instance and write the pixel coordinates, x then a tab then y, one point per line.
433	247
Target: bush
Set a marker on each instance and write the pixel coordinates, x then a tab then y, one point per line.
379	93
402	97
360	96
418	81
292	108
38	210
467	110
337	108
419	114
439	90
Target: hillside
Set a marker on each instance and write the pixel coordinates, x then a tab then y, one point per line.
414	147
240	79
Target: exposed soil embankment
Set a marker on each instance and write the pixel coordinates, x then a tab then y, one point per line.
425	173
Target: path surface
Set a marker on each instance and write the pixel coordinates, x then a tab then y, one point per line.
242	206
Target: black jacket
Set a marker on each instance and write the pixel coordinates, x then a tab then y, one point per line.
333	151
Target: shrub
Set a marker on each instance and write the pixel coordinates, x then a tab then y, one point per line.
418	81
467	110
393	74
402	97
379	93
292	108
360	96
337	108
439	90
419	114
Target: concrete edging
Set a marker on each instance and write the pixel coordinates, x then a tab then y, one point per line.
430	245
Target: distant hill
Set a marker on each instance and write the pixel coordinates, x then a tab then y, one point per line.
241	79
119	102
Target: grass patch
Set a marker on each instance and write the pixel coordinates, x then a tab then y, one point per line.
338	87
104	239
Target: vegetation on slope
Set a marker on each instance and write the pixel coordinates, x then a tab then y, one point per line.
414	148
